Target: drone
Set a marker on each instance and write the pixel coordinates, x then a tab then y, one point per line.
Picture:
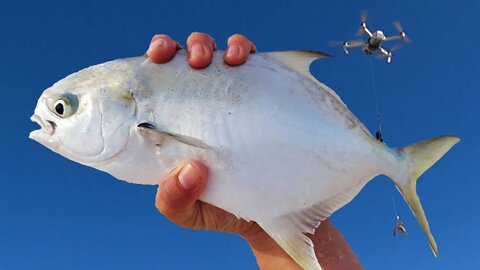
375	40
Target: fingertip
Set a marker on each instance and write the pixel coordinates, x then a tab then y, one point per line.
192	177
200	56
162	49
200	47
200	166
181	187
235	55
238	50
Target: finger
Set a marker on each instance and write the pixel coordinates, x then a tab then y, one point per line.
162	49
238	49
200	47
177	194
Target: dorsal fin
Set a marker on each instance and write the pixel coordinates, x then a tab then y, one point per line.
300	61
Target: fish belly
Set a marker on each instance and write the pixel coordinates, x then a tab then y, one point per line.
268	179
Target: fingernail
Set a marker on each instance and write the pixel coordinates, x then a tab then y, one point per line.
157	43
197	50
188	177
233	50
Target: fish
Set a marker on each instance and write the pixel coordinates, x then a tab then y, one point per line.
282	148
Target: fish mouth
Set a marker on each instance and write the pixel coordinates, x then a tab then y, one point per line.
47	127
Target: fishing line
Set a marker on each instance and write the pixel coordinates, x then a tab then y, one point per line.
379	134
395	207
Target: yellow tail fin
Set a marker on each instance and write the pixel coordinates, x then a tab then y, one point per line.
423	155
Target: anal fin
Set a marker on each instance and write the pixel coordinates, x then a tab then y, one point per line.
286	233
289	230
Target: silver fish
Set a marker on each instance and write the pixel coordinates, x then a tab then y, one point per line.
282	148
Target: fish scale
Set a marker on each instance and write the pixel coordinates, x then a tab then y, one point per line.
282	148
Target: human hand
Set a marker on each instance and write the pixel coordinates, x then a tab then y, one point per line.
177	199
200	47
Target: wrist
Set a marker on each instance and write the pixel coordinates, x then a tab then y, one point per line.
269	255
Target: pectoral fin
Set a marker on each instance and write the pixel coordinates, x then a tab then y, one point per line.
157	136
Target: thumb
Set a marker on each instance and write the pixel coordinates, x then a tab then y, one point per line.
178	192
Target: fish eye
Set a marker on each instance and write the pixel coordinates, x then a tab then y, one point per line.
60	107
65	106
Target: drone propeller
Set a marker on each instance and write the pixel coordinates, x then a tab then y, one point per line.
352	43
381	55
396	47
363	23
399	28
336	43
363	16
359	32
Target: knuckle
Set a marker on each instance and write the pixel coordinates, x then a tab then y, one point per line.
162	199
238	38
200	37
161	36
164	207
196	36
159	205
197	33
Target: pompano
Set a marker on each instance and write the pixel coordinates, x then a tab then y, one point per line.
282	148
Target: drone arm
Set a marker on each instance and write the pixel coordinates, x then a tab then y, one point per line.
392	38
365	29
383	51
386	54
349	45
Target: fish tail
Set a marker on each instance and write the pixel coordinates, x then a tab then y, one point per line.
422	156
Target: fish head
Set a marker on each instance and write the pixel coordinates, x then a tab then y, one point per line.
86	116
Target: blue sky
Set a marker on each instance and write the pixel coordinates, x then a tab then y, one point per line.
56	214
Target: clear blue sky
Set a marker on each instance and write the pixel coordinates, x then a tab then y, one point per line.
56	214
